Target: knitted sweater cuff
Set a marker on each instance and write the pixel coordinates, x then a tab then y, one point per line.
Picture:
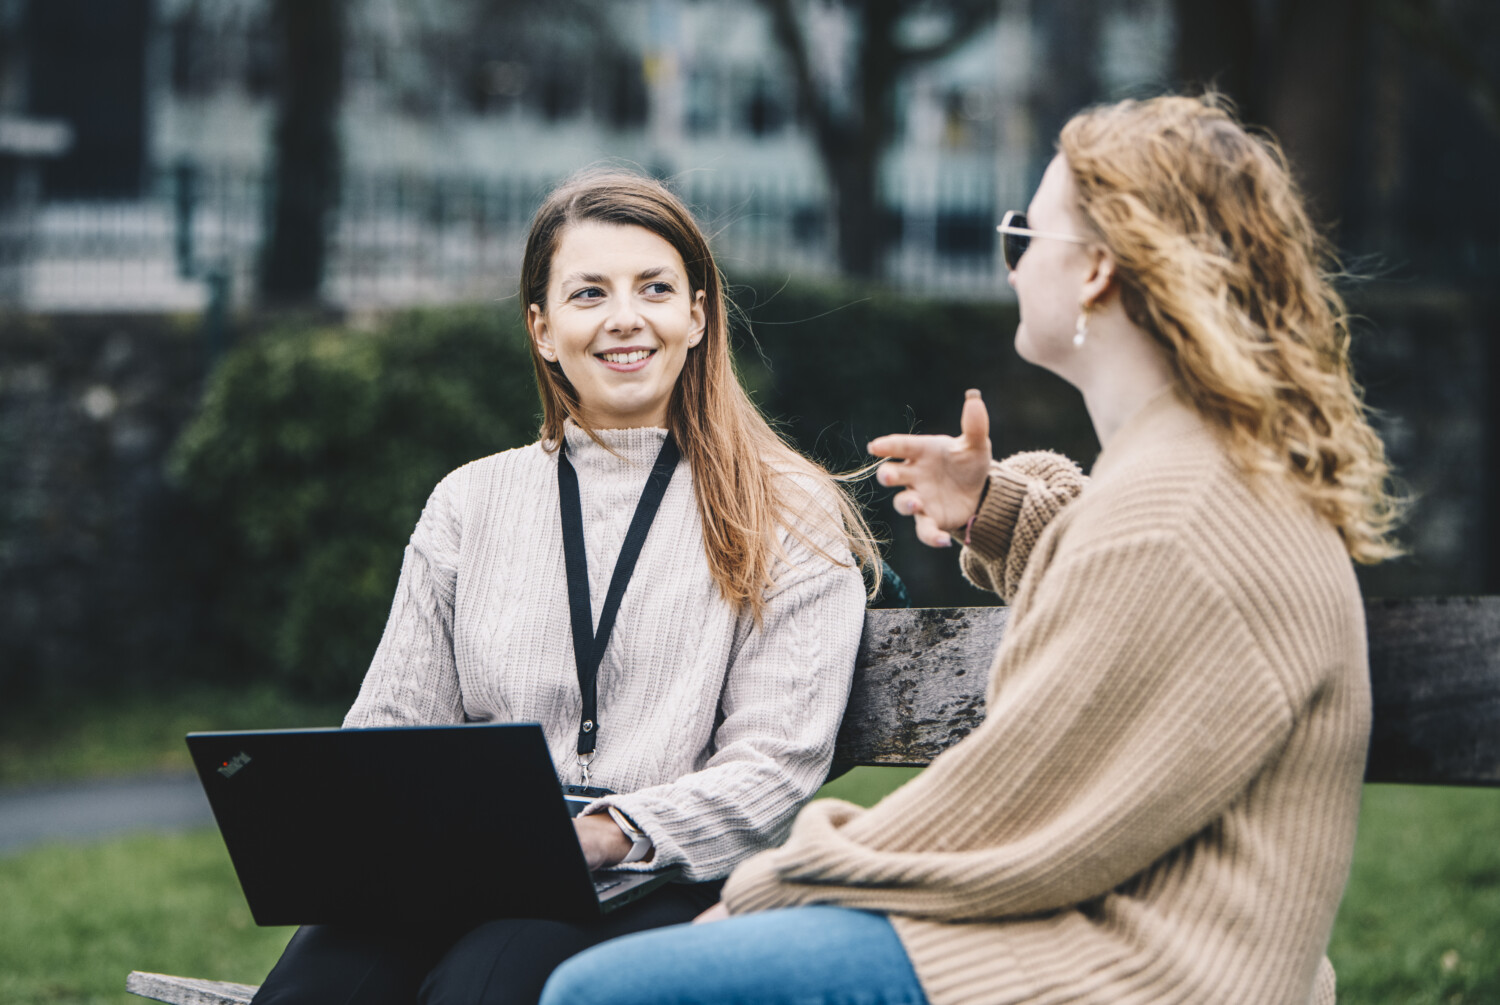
755	885
989	537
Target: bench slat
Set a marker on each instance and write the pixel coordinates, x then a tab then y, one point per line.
1435	670
919	682
920	679
188	990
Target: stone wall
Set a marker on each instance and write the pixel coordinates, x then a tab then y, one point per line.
94	543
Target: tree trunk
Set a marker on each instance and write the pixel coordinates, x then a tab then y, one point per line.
1067	79
1216	47
1311	95
853	161
1294	68
859	214
304	190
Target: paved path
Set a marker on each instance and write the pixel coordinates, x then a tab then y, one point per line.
97	809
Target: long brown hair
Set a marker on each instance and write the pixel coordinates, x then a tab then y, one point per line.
1220	261
749	482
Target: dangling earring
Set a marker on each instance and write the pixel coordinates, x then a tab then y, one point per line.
1081	329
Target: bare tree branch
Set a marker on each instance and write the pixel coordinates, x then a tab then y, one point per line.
793	43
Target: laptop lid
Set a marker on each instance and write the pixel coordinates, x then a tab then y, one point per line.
421	824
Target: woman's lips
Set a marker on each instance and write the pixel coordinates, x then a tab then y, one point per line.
626	360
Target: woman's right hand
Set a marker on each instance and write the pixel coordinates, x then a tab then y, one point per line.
944	476
718	912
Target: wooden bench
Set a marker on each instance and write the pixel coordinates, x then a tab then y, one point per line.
920	680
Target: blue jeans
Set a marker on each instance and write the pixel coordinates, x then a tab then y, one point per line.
798	956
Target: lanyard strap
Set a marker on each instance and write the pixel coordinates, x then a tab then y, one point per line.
588	647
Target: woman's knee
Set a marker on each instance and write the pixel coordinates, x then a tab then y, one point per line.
802	954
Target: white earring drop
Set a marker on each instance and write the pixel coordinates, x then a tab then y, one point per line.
1081	330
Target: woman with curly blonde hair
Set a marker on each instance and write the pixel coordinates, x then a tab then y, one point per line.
1160	805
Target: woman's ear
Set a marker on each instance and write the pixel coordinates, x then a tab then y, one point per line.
536	321
699	319
1101	277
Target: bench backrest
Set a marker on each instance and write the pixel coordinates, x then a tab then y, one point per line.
1434	668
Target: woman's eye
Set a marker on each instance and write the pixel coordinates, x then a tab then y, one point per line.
587	293
659	288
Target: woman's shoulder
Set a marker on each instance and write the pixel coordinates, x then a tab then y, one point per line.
481	479
1252	537
808	494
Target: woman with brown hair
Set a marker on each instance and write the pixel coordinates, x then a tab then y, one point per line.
1160	804
723	678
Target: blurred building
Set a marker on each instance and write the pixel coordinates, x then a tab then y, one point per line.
458	114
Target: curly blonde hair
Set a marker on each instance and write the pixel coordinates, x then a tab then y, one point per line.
1219	260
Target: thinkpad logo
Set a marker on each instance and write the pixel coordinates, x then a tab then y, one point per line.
235	763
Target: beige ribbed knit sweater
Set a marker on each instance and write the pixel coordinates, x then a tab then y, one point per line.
716	730
1160	804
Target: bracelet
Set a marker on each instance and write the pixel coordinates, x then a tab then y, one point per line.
968	527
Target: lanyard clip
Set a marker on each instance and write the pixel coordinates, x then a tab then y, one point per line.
583	764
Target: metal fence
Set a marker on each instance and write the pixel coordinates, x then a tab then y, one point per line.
400	240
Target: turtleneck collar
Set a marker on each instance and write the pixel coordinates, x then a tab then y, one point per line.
633	449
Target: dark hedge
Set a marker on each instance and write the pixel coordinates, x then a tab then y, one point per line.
316	447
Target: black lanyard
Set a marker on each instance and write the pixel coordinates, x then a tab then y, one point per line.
588	647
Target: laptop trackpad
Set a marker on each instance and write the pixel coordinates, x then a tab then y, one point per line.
616	888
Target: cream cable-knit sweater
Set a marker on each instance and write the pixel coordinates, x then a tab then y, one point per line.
715	730
1160	804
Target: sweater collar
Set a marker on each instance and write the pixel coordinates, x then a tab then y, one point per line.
1167	416
624	452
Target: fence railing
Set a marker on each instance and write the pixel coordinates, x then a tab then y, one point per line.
401	240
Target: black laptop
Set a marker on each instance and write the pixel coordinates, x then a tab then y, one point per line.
412	824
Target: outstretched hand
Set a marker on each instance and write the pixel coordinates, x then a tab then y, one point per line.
943	476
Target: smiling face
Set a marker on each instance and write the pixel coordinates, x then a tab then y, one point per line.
619	319
1049	280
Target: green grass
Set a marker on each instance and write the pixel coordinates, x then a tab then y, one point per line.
1420	923
137	733
76	919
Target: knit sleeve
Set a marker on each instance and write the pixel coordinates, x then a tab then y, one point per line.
1129	709
1025	492
782	701
413	679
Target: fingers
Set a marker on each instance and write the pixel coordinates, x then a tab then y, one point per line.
975	421
901	444
908	503
718	912
930	534
893	473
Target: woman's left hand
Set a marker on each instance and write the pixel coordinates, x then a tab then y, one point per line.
716	913
604	844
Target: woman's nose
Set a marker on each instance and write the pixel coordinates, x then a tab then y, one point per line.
623	317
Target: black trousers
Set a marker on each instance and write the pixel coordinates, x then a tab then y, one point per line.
502	962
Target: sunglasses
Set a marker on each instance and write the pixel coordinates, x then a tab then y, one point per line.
1016	237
